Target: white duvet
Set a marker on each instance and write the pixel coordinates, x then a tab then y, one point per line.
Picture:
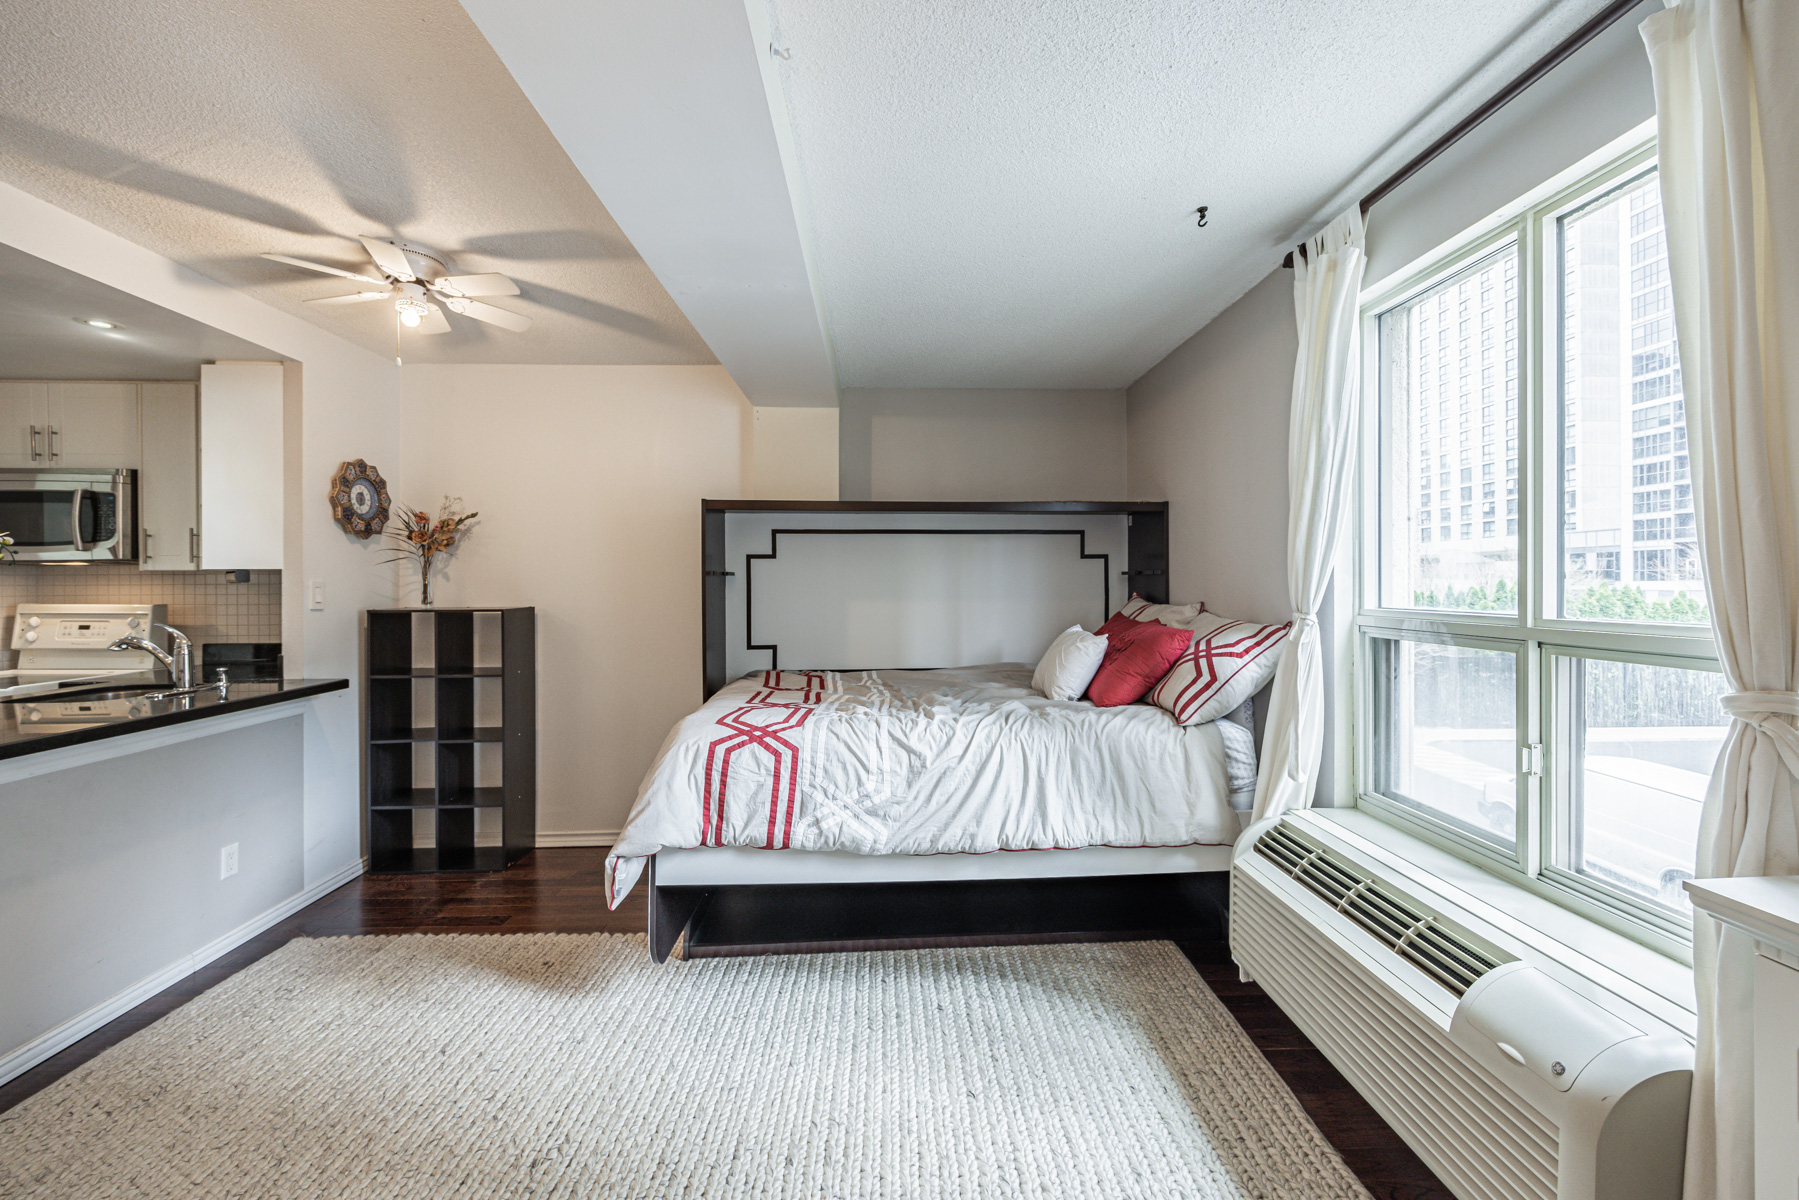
963	761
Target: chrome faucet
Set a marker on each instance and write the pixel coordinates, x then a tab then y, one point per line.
180	664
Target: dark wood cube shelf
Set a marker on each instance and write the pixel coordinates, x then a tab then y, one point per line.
450	738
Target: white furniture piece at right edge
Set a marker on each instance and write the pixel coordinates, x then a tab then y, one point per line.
1767	909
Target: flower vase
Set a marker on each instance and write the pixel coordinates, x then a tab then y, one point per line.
424	581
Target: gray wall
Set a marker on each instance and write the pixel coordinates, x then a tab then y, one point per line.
109	872
1600	94
981	444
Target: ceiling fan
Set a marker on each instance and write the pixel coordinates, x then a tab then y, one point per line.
412	277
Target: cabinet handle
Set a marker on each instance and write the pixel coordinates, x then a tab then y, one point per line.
55	445
147	535
193	545
36	433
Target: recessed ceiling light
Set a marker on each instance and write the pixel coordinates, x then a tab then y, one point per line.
97	324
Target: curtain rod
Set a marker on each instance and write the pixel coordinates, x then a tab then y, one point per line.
1605	19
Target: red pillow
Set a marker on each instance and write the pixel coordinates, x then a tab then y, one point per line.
1118	624
1137	656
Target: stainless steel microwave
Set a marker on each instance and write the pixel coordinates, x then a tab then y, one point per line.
70	516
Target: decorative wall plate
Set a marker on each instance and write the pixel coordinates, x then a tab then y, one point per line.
359	499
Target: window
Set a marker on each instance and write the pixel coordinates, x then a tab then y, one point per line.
1636	744
1479	574
1541	695
1447	724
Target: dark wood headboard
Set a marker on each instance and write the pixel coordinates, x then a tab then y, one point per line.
1145	569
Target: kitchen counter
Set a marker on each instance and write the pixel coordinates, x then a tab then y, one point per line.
83	714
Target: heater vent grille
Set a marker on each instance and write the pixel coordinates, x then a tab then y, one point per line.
1450	955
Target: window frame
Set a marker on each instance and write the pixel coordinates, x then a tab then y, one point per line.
1537	631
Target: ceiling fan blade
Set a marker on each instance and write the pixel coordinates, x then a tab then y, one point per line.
389	257
312	266
352	298
495	316
434	321
490	284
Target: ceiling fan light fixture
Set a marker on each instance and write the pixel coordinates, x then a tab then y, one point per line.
412	308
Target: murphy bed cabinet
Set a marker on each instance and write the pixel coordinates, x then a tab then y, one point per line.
450	730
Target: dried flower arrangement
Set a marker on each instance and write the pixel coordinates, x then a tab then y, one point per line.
418	536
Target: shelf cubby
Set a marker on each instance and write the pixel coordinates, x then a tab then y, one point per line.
451	738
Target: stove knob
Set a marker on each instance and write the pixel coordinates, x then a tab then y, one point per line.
133	623
32	714
31	637
34	622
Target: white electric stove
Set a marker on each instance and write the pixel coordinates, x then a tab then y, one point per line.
61	645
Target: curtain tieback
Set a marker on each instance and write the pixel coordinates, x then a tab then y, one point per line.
1760	710
1746	705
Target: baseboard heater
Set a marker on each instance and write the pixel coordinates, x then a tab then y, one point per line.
1509	1084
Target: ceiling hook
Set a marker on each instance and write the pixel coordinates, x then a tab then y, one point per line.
1200	212
779	52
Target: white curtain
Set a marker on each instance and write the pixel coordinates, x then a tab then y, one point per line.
1727	112
1321	443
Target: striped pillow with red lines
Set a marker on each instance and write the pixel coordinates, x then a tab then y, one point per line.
1177	616
1227	663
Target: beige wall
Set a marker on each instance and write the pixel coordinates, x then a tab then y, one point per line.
981	444
588	481
1208	433
794	454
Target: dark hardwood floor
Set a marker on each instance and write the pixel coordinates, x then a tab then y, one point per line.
561	891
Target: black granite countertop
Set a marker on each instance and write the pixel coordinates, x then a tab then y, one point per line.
122	705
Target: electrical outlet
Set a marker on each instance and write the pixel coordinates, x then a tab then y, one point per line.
228	861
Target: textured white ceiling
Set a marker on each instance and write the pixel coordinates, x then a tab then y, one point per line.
999	193
212	130
42	335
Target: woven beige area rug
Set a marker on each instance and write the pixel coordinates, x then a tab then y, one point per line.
555	1065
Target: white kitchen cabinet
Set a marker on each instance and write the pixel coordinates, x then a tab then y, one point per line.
241	466
168	482
24	412
63	424
92	425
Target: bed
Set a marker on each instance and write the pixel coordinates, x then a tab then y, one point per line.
890	801
893	775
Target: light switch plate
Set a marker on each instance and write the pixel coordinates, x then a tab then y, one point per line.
316	600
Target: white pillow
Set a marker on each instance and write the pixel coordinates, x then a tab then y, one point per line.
1069	664
1175	616
1228	662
